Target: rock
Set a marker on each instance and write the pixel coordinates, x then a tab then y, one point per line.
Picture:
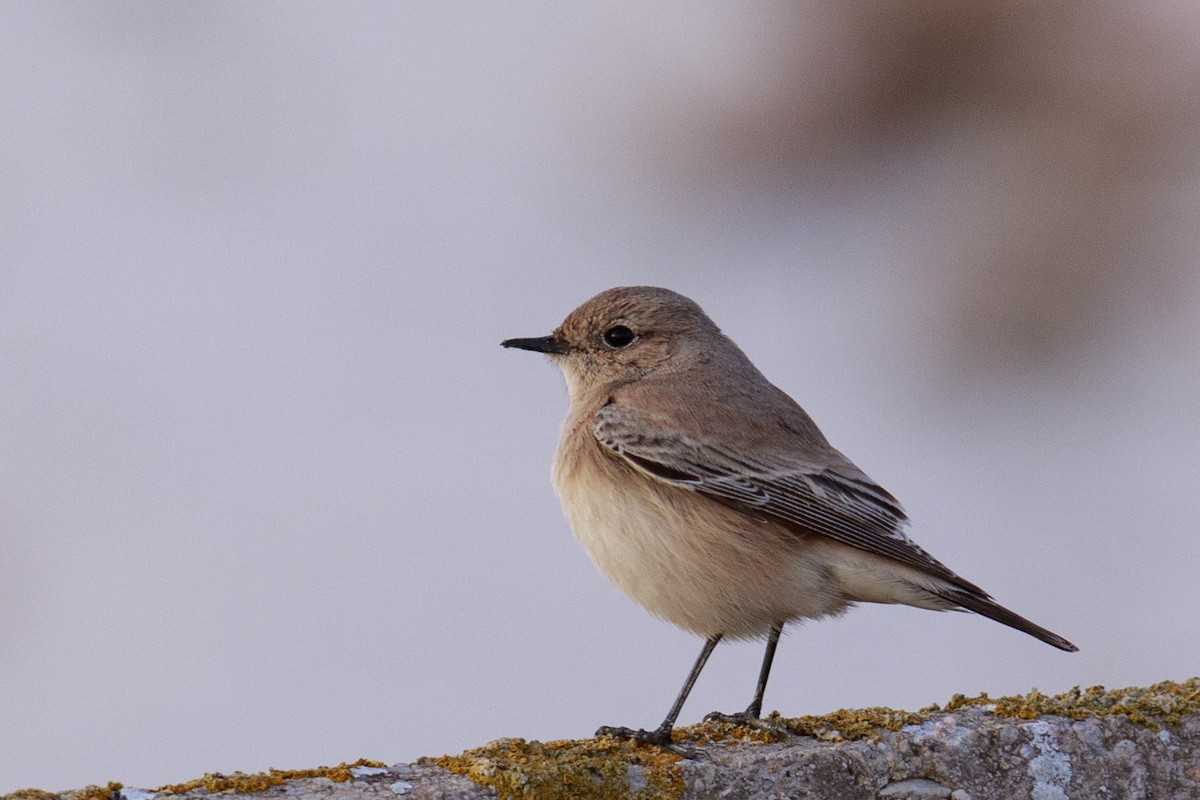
1134	743
915	789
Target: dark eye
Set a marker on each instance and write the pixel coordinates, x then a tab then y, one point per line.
618	336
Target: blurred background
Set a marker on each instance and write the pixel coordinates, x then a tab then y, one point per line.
271	494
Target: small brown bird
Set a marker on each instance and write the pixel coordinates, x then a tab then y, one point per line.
710	497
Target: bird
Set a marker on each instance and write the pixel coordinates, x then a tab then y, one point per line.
711	498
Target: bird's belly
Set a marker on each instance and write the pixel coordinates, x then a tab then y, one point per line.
700	565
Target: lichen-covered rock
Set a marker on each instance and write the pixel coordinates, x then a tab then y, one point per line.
1092	743
969	753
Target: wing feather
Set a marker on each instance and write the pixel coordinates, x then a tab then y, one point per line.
833	500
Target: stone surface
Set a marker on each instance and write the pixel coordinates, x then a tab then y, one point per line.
915	789
1127	744
970	752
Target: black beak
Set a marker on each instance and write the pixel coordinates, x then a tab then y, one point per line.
540	344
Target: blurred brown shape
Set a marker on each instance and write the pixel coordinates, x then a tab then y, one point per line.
1054	189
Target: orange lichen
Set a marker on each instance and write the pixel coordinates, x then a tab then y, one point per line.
242	782
599	768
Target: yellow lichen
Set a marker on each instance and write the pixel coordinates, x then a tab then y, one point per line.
110	791
29	794
1153	706
772	728
599	768
242	782
1163	703
856	723
609	768
593	768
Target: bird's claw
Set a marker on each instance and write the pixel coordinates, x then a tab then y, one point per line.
658	736
737	718
751	720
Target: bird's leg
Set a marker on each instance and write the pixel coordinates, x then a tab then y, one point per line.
662	734
754	710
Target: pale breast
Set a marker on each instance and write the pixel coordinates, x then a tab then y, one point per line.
700	565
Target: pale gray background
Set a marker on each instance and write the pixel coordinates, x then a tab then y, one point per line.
271	494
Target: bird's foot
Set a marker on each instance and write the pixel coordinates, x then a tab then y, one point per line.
751	718
737	718
658	736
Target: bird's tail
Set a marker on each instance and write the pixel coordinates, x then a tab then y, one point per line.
982	604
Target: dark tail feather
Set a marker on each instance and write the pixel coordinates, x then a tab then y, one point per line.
982	604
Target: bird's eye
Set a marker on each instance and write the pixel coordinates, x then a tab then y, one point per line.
619	336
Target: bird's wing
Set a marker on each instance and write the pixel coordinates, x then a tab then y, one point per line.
834	500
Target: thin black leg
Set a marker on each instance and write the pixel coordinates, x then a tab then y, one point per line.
662	734
754	710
